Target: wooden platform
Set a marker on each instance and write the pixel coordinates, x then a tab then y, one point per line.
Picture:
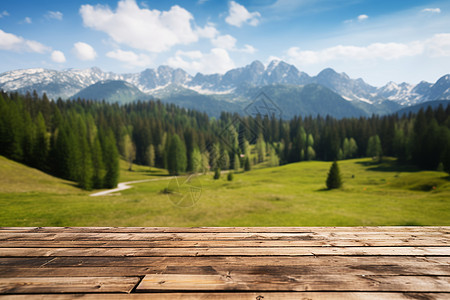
225	263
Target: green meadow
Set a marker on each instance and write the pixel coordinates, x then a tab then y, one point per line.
291	195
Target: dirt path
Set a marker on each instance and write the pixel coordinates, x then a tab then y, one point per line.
124	186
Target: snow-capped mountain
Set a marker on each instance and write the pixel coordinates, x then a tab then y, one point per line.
55	83
403	93
349	89
234	85
440	90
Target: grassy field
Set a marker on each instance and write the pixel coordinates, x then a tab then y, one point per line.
290	195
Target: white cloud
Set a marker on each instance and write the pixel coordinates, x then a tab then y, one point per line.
228	42
437	46
4	14
27	20
84	51
362	18
216	61
33	46
58	57
11	42
224	41
432	10
130	57
142	28
238	15
209	31
57	15
248	49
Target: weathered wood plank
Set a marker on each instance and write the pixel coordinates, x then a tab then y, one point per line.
420	268
389	229
332	242
366	260
238	282
242	296
282	261
16	272
249	251
25	261
218	236
34	285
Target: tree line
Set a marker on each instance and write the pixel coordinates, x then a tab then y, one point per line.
82	140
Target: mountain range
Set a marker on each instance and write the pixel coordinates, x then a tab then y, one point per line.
293	91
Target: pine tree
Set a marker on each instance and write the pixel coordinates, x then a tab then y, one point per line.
29	138
110	160
236	162
353	148
41	144
340	155
310	153
374	147
150	156
334	180
346	148
445	155
129	151
176	159
74	155
13	136
205	162
97	164
247	166
230	176
196	161
224	160
261	148
59	156
85	168
214	156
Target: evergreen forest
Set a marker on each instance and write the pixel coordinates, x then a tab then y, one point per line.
82	140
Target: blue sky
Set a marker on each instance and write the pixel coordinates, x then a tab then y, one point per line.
379	41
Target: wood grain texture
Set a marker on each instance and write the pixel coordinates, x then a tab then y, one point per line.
330	242
285	282
34	285
225	263
249	251
241	296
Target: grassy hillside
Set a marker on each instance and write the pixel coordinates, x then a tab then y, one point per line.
16	178
290	195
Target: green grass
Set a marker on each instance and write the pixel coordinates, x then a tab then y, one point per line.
290	195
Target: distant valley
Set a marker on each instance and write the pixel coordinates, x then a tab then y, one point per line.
293	91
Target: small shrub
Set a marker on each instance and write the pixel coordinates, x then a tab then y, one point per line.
230	176
167	190
216	174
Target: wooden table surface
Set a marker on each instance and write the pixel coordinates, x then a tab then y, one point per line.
225	263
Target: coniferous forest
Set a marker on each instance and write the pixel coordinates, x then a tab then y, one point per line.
82	140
